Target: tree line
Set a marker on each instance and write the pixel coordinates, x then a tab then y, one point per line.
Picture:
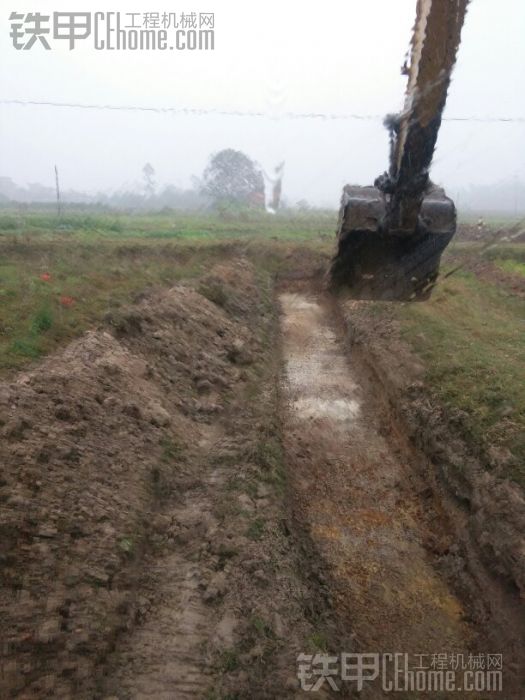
231	179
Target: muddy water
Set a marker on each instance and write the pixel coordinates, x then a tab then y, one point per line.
357	498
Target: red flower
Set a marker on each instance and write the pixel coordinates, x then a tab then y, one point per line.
45	277
67	301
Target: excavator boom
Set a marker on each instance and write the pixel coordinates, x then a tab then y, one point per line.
391	235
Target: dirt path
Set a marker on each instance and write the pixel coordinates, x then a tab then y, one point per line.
363	507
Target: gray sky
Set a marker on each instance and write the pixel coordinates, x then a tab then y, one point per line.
335	57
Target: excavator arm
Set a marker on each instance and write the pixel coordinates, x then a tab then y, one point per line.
391	236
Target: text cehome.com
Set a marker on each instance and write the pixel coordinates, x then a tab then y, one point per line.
112	31
108	35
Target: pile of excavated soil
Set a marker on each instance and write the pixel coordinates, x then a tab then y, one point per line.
141	517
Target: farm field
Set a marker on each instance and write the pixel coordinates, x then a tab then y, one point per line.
181	400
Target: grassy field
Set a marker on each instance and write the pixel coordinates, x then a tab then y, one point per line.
173	226
509	258
51	292
59	278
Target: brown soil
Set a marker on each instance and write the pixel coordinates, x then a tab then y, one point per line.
358	499
143	547
188	504
472	232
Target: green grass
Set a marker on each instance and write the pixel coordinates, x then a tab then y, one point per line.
514	252
229	661
175	226
262	628
101	261
318	642
42	321
255	530
87	280
471	338
515	267
491	221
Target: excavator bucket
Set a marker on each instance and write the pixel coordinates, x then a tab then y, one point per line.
373	262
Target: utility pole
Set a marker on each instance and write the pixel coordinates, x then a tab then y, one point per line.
59	207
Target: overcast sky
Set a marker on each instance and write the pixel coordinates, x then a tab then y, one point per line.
338	56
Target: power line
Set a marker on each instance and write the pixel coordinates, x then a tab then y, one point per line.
239	113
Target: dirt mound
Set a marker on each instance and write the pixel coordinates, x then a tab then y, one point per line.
144	544
85	440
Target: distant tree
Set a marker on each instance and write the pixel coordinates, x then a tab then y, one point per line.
303	205
232	178
148	172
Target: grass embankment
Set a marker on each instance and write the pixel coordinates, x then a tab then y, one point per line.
472	340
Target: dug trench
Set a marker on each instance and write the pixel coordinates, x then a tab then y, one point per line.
404	554
215	482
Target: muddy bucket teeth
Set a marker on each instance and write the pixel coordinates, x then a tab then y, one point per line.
374	262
